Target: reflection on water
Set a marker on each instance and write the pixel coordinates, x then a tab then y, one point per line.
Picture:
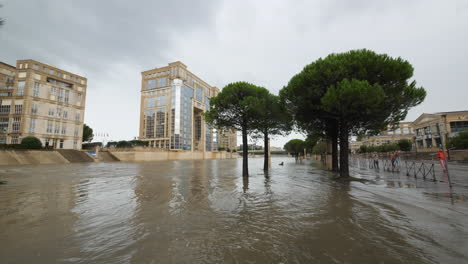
205	212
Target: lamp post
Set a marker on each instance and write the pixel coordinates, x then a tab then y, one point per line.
444	147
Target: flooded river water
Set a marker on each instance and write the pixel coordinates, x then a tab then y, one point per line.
204	212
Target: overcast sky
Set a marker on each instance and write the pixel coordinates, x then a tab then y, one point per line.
263	42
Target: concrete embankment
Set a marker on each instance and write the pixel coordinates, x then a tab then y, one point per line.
31	157
136	156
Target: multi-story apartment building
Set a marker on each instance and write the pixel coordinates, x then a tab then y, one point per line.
40	100
404	130
227	140
433	130
172	102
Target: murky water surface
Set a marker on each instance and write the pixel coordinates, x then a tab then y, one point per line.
203	212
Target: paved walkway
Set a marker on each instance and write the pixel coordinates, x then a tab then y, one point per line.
425	174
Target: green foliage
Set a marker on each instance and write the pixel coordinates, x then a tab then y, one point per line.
127	144
236	106
31	143
356	92
270	116
405	145
310	142
460	141
320	148
295	147
87	133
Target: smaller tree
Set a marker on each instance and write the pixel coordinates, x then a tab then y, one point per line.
295	147
460	141
271	119
31	143
87	133
235	107
405	144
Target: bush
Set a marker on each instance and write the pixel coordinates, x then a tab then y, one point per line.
405	144
460	141
31	143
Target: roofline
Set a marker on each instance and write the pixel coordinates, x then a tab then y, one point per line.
6	64
56	68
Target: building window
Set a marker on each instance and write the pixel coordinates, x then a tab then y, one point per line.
53	90
18	109
44	69
75	144
4	124
78	117
2	139
160	122
34	109
427	130
65	114
49	127
4	109
59	112
21	85
405	130
57	128
458	126
79	98
51	112
75	133
149	123
32	125
16	125
51	72
151	84
199	94
14	140
36	67
60	95
61	143
429	142
36	89
67	96
64	129
162	82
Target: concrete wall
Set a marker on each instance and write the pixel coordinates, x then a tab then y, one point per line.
169	155
24	157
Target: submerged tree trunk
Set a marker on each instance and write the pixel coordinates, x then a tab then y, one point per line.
245	153
265	151
344	149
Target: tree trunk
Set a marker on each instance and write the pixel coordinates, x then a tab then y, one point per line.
344	149
334	140
265	151
245	153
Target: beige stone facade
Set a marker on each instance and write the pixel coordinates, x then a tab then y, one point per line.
40	100
172	102
227	139
433	130
404	130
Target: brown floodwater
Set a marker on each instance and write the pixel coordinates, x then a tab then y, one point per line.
204	212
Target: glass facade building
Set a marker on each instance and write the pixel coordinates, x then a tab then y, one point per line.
172	103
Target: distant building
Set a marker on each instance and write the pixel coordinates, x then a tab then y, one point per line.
431	130
172	102
227	139
40	100
355	145
393	134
